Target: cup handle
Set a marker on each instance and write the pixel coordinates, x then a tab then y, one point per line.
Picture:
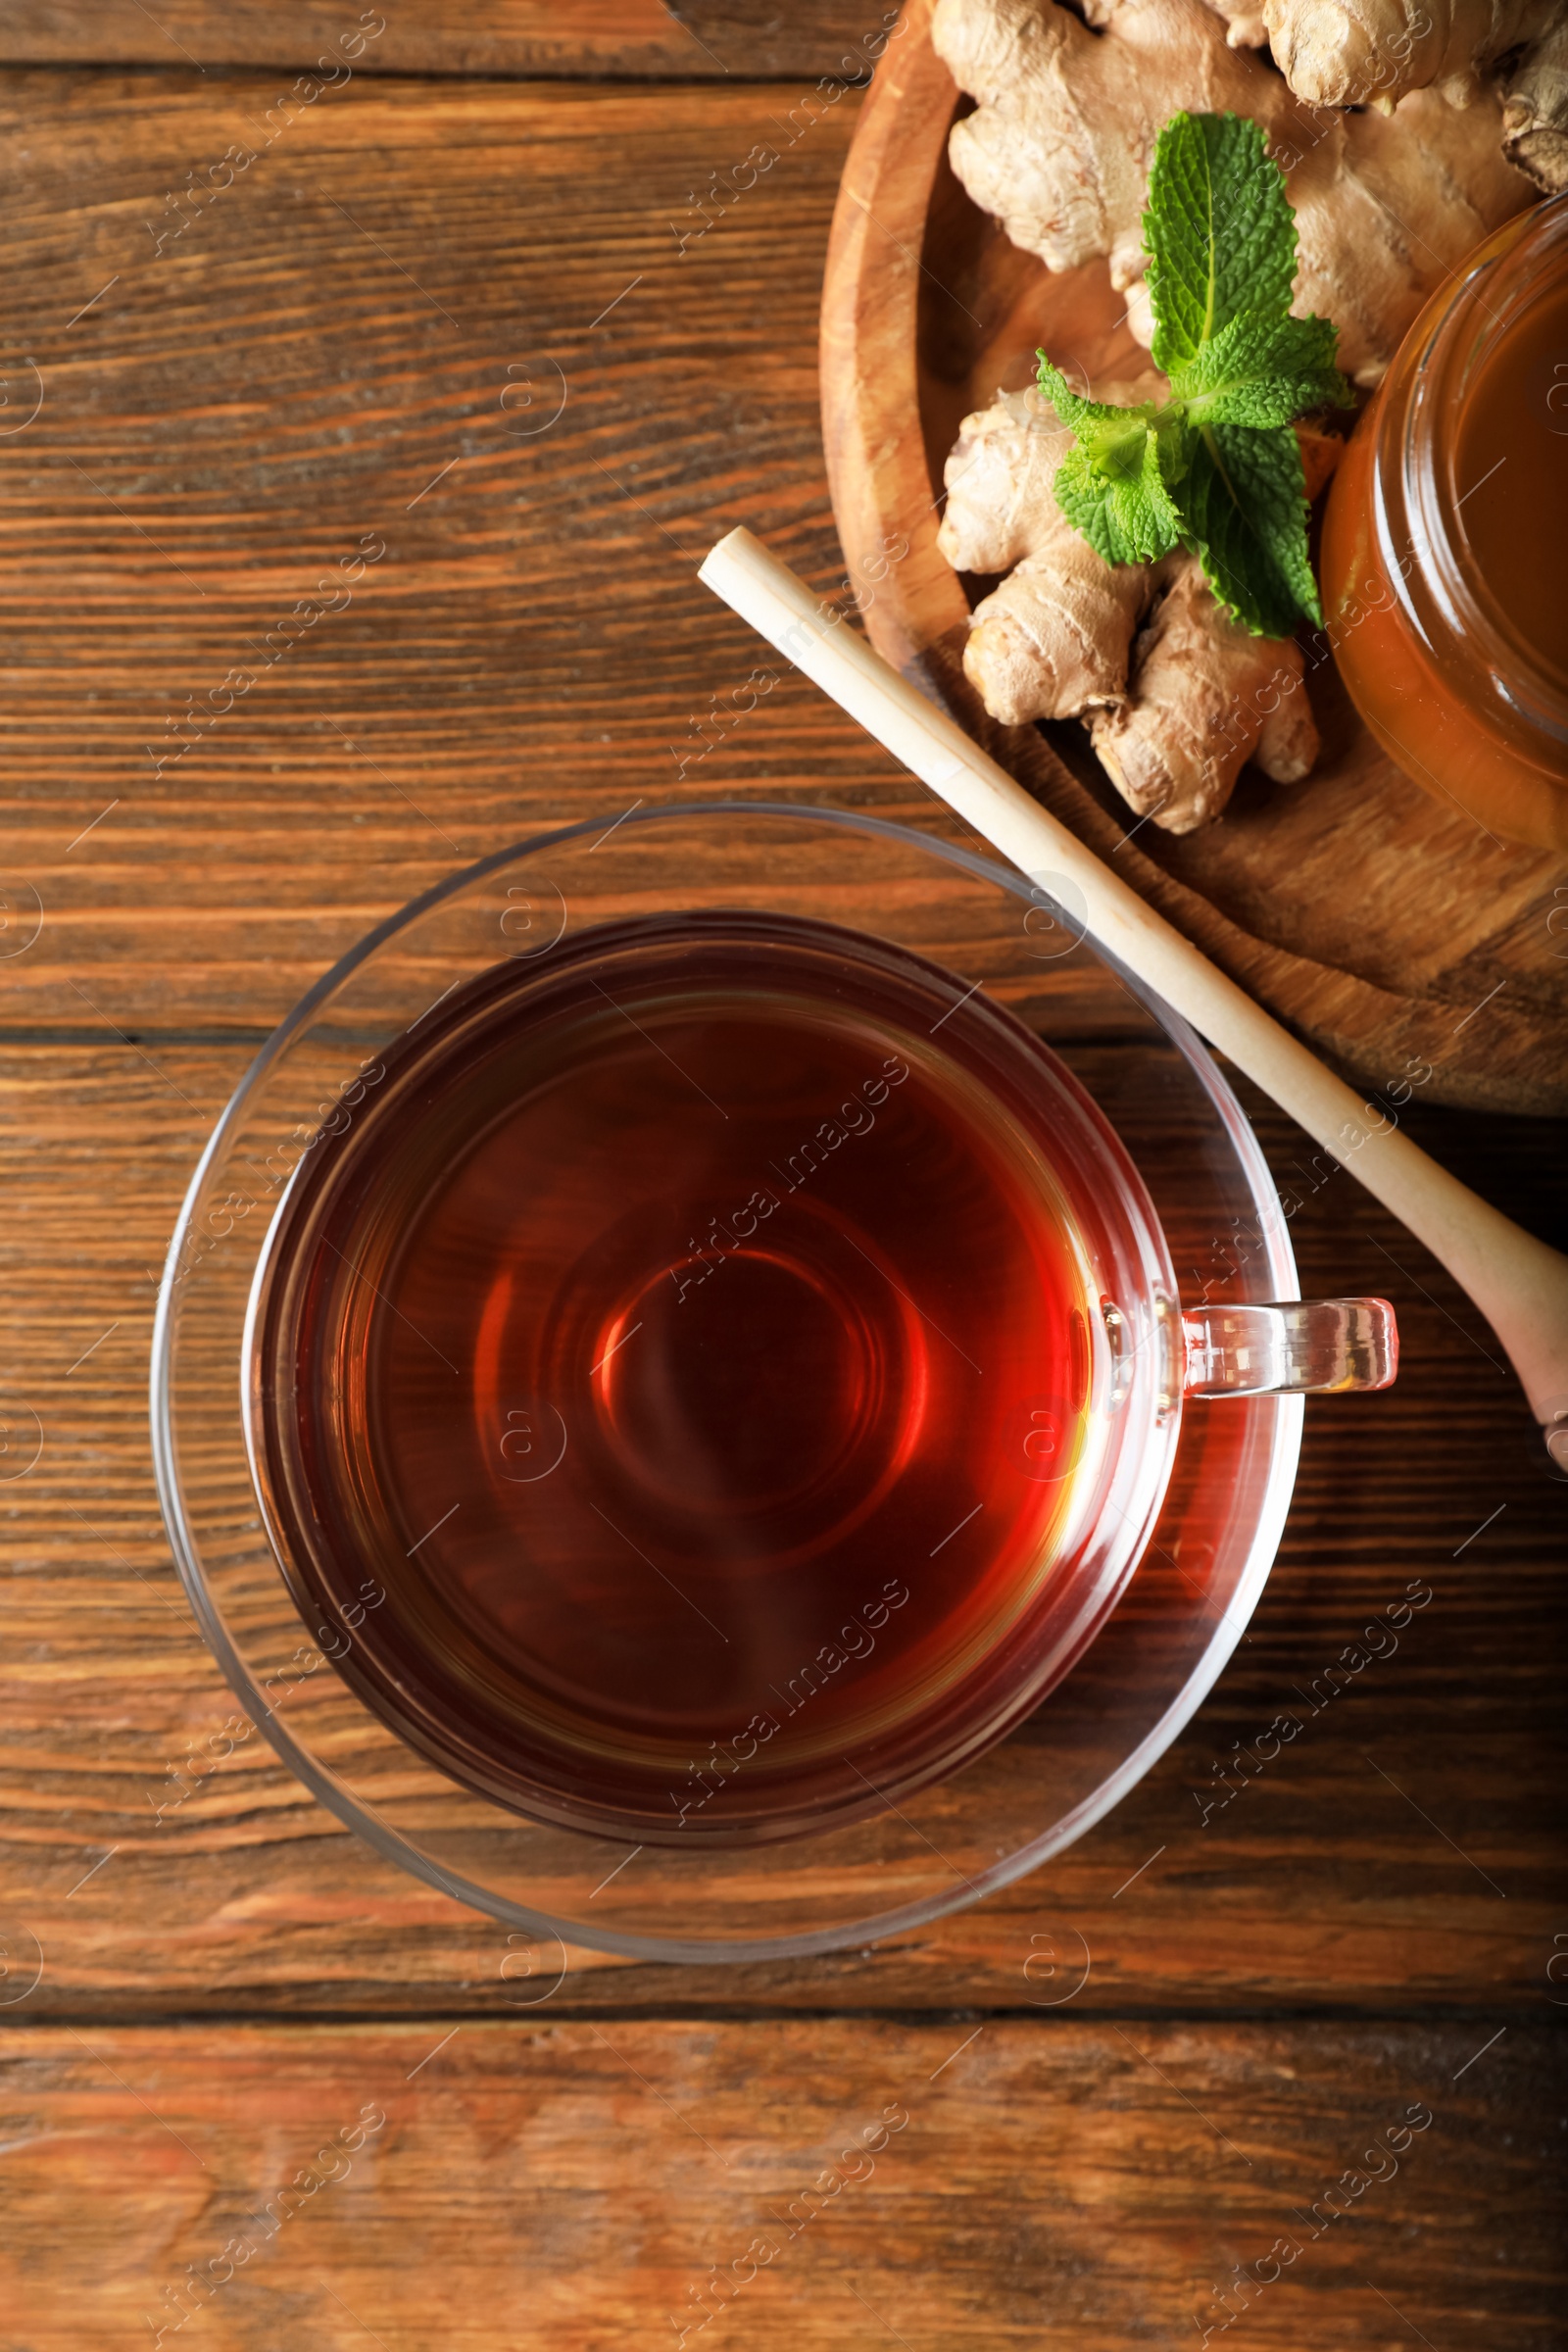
1299	1346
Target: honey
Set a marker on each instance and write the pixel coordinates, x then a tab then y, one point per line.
1445	541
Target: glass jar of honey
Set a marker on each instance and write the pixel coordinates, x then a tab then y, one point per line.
1445	541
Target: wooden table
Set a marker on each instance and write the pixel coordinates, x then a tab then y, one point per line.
367	330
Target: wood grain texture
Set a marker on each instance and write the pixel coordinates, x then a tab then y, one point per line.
700	40
233	415
554	2183
245	405
1373	917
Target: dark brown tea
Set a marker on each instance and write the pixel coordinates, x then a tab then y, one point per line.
690	1336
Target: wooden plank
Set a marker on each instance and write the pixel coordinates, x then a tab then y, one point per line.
628	38
1320	1884
541	2184
228	419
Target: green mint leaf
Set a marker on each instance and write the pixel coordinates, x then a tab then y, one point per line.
1075	412
1264	372
1218	230
1085	499
1216	469
1120	501
1245	514
1114	485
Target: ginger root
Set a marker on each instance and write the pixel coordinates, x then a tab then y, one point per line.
1535	110
1373	52
1360	52
1174	715
1052	640
1063	133
1059	148
1245	28
1206	696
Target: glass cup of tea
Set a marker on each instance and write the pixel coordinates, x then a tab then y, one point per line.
707	1374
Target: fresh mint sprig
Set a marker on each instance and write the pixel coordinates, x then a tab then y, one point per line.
1215	469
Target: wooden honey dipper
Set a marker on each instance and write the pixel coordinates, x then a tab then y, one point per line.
1518	1283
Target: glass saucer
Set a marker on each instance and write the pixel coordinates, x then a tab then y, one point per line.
1097	1732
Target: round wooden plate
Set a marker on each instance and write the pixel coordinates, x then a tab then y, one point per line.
1383	926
